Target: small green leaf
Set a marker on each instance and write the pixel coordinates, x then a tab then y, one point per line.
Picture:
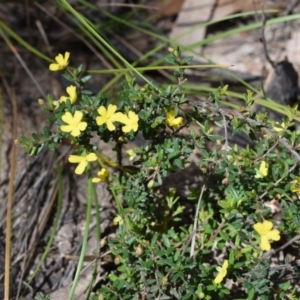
35	137
68	77
113	277
39	149
46	132
168	90
166	240
24	139
51	146
154	239
187	60
179	163
251	294
85	78
171	60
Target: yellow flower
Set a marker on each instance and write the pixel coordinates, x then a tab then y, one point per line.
108	116
82	161
280	127
262	171
131	154
130	121
102	176
71	91
222	272
295	186
62	62
172	121
75	126
55	104
118	220
266	234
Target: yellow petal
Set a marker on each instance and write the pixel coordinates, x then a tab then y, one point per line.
63	98
264	243
172	121
67	117
258	227
81	167
101	110
133	116
177	121
120	117
75	132
59	59
263	170
91	157
274	235
135	127
78	116
126	128
131	154
225	264
170	115
103	174
95	179
82	126
263	228
118	220
219	278
222	273
111	109
71	90
66	128
123	119
63	61
110	126
76	158
67	56
100	121
54	67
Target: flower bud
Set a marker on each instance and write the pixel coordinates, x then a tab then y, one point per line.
164	280
139	250
100	297
102	242
117	260
41	101
150	184
225	180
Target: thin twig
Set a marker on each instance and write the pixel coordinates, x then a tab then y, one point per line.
271	252
10	192
22	62
290	7
196	221
43	35
252	123
291	241
79	36
128	5
279	180
268	151
225	130
263	39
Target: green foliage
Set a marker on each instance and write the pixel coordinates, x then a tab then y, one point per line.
168	247
40	296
